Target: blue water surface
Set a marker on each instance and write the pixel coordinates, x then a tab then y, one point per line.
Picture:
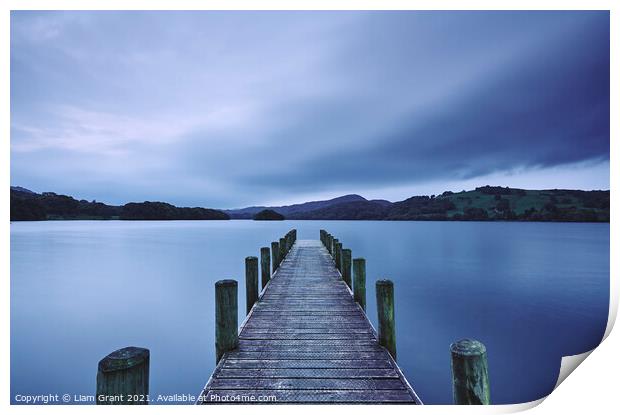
532	292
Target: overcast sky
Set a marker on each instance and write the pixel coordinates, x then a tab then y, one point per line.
230	109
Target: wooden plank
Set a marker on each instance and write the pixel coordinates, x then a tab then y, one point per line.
316	373
307	364
303	383
306	355
245	396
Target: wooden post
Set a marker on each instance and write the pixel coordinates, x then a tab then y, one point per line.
123	377
335	250
251	282
338	258
346	266
470	377
265	266
282	252
275	250
359	282
226	323
385	311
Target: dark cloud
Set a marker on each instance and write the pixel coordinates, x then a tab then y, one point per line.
185	107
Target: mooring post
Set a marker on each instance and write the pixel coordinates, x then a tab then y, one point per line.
282	252
275	250
330	244
226	323
122	376
335	249
251	282
338	258
470	377
265	266
385	311
359	282
346	266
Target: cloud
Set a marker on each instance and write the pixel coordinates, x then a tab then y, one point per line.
234	108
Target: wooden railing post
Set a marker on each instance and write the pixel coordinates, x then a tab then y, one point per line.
123	377
346	266
282	252
385	311
265	266
470	377
338	257
334	249
226	322
275	251
359	282
251	282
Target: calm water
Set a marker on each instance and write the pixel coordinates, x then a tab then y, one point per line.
531	292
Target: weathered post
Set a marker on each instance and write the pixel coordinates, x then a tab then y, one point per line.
265	266
226	323
251	282
335	249
338	258
346	266
359	282
470	377
282	252
123	377
385	311
275	250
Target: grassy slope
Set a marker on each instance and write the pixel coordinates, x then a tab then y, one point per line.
518	203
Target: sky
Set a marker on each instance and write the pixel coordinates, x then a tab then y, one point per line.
232	109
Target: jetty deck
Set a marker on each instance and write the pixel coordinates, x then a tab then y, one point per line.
307	341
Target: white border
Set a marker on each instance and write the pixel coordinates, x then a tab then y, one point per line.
593	389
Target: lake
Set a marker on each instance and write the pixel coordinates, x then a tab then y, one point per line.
532	292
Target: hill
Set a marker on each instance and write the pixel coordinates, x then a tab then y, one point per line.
483	203
291	210
268	214
27	205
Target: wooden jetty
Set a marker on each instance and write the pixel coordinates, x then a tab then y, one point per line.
306	340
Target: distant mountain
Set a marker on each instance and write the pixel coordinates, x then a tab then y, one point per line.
166	211
292	210
22	189
27	205
356	210
483	203
268	214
